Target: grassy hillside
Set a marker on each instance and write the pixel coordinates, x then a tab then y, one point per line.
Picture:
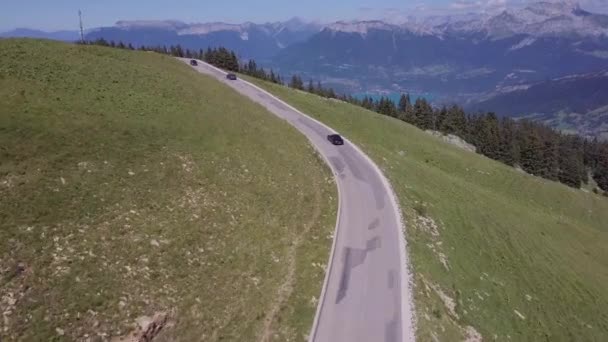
130	186
495	252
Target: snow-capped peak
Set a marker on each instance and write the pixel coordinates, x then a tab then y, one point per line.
536	19
545	18
553	9
361	27
156	24
207	28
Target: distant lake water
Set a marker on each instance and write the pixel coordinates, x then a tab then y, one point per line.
395	96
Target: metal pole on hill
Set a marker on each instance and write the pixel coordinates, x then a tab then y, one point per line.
81	27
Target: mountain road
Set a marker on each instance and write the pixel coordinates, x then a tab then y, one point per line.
366	295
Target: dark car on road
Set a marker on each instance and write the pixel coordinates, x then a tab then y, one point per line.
335	139
193	62
231	77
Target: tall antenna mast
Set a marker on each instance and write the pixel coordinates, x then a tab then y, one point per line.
81	28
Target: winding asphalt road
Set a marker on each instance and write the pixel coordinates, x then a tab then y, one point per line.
366	295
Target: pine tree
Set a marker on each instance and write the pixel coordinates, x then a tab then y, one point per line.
578	147
367	103
207	55
234	62
550	163
101	42
531	149
404	108
391	108
440	117
487	136
252	68
410	115
473	130
423	113
591	153
508	149
223	58
179	51
296	82
379	105
600	172
455	122
311	87
404	102
570	162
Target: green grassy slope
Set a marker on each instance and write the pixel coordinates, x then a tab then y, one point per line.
131	185
495	252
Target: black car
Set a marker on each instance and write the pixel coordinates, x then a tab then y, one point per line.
193	62
231	77
335	139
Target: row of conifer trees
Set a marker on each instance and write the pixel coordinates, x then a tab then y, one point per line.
536	148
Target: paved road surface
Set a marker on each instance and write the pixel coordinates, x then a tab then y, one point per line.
366	295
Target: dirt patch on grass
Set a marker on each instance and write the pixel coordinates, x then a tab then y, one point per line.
454	140
472	335
447	301
469	333
430	227
148	328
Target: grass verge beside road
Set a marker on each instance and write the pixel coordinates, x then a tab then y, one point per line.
130	186
497	254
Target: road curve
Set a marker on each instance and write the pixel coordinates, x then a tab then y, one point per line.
366	295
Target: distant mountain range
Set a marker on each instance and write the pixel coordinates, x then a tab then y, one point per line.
66	36
539	19
249	40
457	55
471	58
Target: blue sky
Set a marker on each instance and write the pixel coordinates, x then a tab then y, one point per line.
62	14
